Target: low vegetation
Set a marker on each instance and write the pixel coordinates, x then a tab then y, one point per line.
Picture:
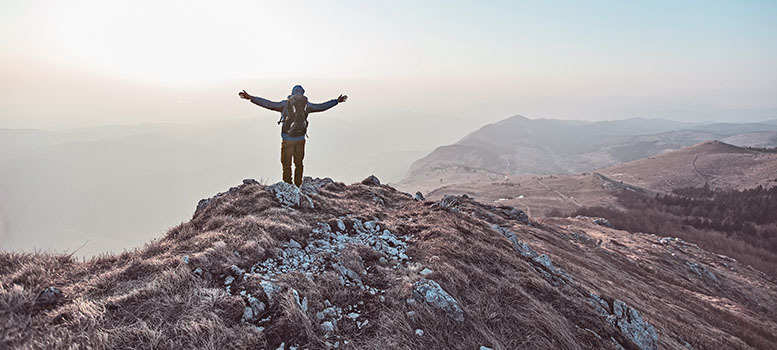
739	224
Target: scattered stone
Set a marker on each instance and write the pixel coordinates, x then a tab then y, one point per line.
327	327
545	261
312	186
269	289
449	202
520	247
229	280
425	272
254	310
198	271
411	313
282	347
290	195
185	259
485	348
371	180
602	222
294	244
701	270
303	305
419	332
628	320
419	196
236	271
517	215
49	296
430	292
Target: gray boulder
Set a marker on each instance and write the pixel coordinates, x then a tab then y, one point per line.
371	180
517	215
49	296
419	196
430	292
602	222
290	195
449	202
628	320
312	186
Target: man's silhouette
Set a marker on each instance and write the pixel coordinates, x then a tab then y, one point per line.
294	110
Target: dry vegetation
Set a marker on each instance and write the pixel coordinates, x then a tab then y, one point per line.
150	298
740	224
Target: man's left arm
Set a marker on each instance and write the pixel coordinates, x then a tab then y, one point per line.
320	107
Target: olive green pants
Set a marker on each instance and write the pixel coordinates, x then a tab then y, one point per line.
292	150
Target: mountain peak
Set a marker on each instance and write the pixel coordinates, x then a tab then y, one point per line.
359	266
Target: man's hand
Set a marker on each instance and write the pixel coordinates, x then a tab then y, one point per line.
342	98
244	94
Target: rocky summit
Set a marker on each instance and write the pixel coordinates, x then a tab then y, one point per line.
364	266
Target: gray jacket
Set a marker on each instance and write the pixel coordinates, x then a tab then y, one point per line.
281	107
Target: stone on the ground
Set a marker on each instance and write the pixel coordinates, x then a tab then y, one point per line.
312	186
371	180
430	292
449	202
419	332
327	327
602	222
269	289
290	195
419	196
49	296
518	215
628	320
426	272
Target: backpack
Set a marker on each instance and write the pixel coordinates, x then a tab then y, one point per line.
296	122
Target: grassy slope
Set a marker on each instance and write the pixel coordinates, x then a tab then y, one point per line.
148	298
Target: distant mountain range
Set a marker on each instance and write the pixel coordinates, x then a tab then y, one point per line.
518	145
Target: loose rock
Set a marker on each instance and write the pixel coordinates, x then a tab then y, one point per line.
430	292
290	195
371	180
49	296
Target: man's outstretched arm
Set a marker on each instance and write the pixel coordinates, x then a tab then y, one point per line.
275	106
320	107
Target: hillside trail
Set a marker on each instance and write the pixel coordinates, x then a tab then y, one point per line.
695	169
563	196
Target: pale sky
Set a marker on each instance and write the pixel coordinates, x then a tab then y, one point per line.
78	63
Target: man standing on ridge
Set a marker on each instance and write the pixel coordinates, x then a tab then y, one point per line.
294	125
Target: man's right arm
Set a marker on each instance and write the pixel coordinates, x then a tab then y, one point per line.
272	105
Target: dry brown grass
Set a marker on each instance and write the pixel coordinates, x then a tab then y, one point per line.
147	298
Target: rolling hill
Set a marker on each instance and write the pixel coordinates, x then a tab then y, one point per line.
715	163
519	146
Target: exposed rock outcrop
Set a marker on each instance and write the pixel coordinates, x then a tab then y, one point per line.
290	195
430	292
371	180
628	320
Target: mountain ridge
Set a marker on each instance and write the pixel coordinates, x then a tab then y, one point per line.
365	266
521	146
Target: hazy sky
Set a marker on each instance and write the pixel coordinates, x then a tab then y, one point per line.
74	63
